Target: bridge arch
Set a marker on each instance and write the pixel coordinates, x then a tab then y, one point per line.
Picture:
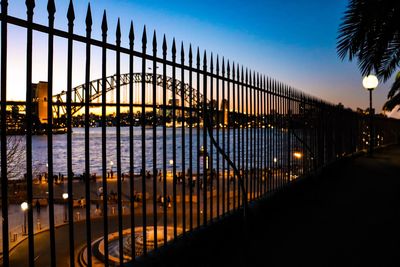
78	92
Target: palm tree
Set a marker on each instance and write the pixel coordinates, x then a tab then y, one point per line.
394	95
370	32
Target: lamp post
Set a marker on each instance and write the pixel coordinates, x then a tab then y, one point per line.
24	208
65	197
112	164
370	82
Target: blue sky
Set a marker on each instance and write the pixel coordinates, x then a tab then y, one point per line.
292	41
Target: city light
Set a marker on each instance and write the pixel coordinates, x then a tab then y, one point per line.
298	155
65	195
24	206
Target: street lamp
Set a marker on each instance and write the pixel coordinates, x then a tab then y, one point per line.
24	208
65	197
370	82
112	164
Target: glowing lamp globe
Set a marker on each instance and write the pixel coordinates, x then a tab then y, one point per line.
24	206
65	195
370	82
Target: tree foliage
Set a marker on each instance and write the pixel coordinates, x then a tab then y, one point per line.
370	33
15	157
394	95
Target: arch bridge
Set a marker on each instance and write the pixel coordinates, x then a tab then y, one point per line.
95	87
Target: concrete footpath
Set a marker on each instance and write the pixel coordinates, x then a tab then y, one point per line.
347	216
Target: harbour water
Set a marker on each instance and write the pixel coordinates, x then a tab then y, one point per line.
275	142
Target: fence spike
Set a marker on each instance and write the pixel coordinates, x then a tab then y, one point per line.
164	46
233	70
144	37
88	20
173	50
30	5
182	53
250	78
104	26
71	12
223	66
190	55
4	5
118	33
131	34
228	69
198	57
154	41
211	63
51	8
205	60
217	66
264	83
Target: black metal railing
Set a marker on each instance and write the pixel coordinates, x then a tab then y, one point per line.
196	138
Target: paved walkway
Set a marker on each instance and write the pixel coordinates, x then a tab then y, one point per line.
349	216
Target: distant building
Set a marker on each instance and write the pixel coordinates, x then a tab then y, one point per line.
39	98
225	111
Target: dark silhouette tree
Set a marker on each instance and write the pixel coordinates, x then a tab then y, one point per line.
370	33
394	95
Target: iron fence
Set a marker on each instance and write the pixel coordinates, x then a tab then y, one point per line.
196	138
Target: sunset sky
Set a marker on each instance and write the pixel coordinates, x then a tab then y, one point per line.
293	41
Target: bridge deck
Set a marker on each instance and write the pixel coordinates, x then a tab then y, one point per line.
349	216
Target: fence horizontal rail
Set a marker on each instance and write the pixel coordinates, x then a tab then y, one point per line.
153	153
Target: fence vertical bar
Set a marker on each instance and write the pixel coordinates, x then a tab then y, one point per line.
265	134
51	9
211	116
4	176
205	138
183	148
143	126
118	129
258	134
164	85
218	131
248	183
223	106
275	136
238	125
71	18
173	51
289	114
104	29
243	126
190	139
131	143
198	134
228	138
29	128
154	122
87	136
234	132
